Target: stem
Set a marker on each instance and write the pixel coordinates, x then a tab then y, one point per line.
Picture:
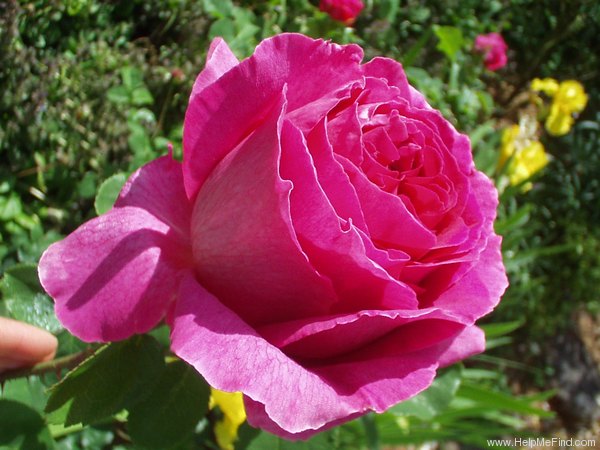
371	432
54	366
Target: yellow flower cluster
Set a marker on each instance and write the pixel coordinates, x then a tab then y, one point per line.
568	99
524	153
234	414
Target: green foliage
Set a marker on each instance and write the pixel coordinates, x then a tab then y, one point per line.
25	300
108	192
121	374
435	399
23	427
463	405
170	412
450	40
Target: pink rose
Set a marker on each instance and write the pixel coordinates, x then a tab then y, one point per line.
325	246
494	48
342	10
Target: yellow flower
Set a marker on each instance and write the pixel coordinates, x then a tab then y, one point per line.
234	414
548	86
507	144
571	95
526	163
569	99
559	121
524	153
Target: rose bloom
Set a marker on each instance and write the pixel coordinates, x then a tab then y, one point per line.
494	48
342	10
325	246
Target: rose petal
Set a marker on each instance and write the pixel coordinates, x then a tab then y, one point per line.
245	93
327	337
231	356
258	418
338	254
114	276
470	341
295	398
256	265
219	60
479	290
158	188
332	178
371	374
389	221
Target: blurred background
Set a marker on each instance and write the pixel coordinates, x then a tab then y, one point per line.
92	89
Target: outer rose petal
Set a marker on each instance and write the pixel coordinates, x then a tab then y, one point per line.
117	274
245	249
480	289
158	188
114	276
326	337
202	327
258	418
314	72
470	341
381	375
295	398
219	60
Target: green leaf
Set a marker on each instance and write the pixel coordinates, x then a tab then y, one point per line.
272	442
25	299
497	400
118	376
494	330
10	206
29	391
388	9
132	78
22	427
450	40
118	94
87	185
224	27
141	96
108	192
218	8
434	400
171	411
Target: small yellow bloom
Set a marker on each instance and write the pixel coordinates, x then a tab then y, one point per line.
527	162
571	96
507	144
548	86
559	121
569	99
234	414
524	153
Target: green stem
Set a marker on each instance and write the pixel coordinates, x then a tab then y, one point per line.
371	432
53	366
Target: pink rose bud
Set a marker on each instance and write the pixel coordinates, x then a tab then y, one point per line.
325	247
494	48
342	10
